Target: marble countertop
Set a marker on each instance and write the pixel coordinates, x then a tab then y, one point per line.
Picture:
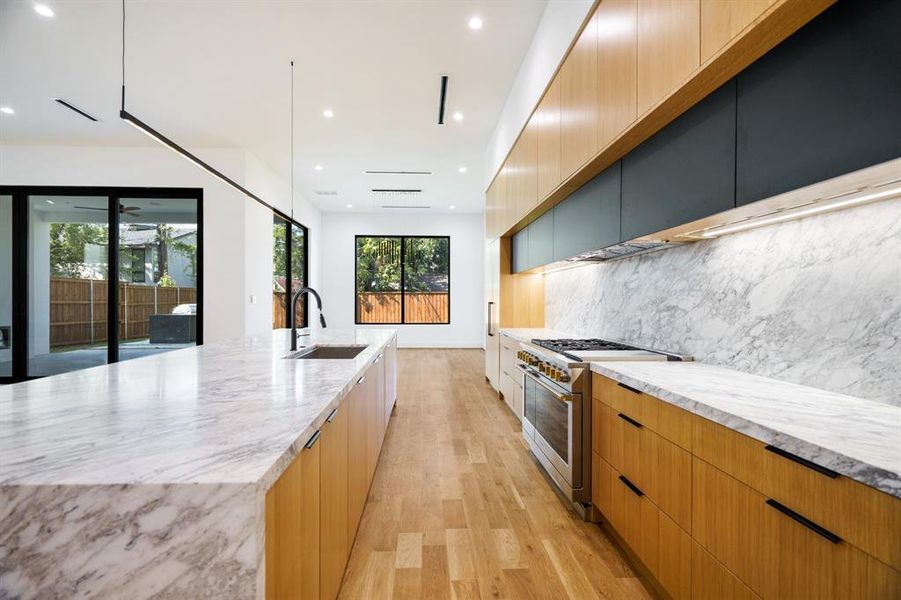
231	412
858	438
528	334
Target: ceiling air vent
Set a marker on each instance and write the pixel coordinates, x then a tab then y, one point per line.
326	192
75	109
398	172
403	207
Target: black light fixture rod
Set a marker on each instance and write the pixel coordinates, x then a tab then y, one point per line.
156	135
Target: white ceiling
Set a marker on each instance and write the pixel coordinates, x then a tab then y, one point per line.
216	74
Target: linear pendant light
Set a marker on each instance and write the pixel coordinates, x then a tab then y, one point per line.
162	139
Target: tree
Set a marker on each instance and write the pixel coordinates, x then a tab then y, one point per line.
67	248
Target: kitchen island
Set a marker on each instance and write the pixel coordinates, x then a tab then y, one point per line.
149	478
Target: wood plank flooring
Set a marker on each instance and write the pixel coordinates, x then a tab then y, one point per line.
459	509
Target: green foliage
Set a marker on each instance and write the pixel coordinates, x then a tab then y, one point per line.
166	281
67	247
188	250
426	264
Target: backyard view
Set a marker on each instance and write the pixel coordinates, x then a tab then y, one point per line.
284	283
69	287
402	280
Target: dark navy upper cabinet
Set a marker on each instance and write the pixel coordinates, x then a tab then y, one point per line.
541	240
520	251
686	171
826	101
589	218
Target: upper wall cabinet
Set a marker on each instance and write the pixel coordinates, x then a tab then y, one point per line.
668	47
578	101
520	251
528	169
541	241
617	47
722	20
548	140
683	173
827	101
589	218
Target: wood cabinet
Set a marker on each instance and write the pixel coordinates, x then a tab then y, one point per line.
375	424
823	103
589	218
335	540
669	34
390	378
617	71
492	312
578	102
684	172
547	144
511	376
723	20
293	529
710	580
357	452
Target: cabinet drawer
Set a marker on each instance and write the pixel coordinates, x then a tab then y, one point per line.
663	547
863	516
710	580
512	392
773	552
509	348
661	469
663	418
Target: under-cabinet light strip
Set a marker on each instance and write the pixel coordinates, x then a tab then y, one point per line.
819	207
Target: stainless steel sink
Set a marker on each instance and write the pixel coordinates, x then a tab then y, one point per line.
321	351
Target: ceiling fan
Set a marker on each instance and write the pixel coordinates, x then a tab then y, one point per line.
131	211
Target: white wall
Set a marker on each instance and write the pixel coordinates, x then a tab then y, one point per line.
558	26
237	231
466	278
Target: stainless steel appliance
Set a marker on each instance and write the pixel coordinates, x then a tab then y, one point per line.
557	406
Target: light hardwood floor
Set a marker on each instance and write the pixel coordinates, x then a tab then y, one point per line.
459	509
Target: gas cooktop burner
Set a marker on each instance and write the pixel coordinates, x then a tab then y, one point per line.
585	345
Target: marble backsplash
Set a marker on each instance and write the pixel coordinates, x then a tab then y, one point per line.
815	301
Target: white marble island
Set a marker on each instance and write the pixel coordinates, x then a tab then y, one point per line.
148	478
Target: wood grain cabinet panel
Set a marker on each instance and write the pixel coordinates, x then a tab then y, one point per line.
723	20
578	102
292	530
710	580
334	544
774	553
357	467
548	140
668	47
861	515
528	169
617	26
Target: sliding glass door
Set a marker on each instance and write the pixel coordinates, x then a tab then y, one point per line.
90	276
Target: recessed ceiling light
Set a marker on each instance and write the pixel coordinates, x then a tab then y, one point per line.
7	110
452	207
462	169
43	10
458	116
350	206
475	23
318	167
328	113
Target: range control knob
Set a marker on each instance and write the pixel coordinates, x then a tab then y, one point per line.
564	376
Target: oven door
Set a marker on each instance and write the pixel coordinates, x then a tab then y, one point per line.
549	412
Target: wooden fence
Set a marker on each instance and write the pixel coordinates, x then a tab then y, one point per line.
419	307
280	311
78	309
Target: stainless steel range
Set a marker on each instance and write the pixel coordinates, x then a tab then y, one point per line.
557	406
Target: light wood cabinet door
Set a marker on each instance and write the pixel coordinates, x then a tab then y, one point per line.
722	20
375	427
390	378
503	202
547	145
617	24
357	453
578	102
335	544
492	209
528	169
710	580
668	47
293	529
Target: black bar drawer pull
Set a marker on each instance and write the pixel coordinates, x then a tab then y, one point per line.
804	521
313	439
630	420
802	461
631	486
629	387
331	416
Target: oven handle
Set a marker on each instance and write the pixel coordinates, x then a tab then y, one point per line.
530	373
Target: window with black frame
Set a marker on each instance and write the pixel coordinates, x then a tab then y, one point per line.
402	280
289	270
